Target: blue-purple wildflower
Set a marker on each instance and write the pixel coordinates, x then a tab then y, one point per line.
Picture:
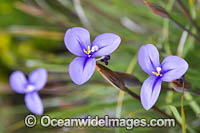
77	41
30	87
172	68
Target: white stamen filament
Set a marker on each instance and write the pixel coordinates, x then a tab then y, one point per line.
94	48
102	57
158	69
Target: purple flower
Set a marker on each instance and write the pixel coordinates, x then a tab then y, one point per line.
77	41
35	82
172	68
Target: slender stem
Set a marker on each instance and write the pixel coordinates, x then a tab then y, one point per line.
132	94
183	28
187	14
114	79
182	112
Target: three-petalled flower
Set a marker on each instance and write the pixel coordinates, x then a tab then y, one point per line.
172	68
77	41
30	87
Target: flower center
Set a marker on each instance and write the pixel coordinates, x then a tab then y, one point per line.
91	50
30	88
158	69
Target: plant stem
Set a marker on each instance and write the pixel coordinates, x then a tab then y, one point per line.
114	79
132	94
183	28
187	14
182	112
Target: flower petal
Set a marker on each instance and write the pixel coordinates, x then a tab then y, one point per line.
150	91
81	69
34	103
148	58
18	82
173	67
38	78
76	40
107	43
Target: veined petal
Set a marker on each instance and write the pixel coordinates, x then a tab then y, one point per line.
106	43
38	78
76	40
148	58
18	82
81	69
34	103
150	91
173	68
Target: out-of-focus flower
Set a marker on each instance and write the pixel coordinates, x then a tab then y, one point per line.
30	87
77	41
172	68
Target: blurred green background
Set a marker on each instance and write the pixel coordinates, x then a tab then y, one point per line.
31	36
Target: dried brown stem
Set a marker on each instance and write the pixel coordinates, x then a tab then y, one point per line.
158	10
187	14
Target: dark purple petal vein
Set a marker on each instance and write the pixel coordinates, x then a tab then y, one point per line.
148	58
76	40
150	91
173	67
106	43
81	69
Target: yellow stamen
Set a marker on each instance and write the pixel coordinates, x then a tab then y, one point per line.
88	51
158	72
